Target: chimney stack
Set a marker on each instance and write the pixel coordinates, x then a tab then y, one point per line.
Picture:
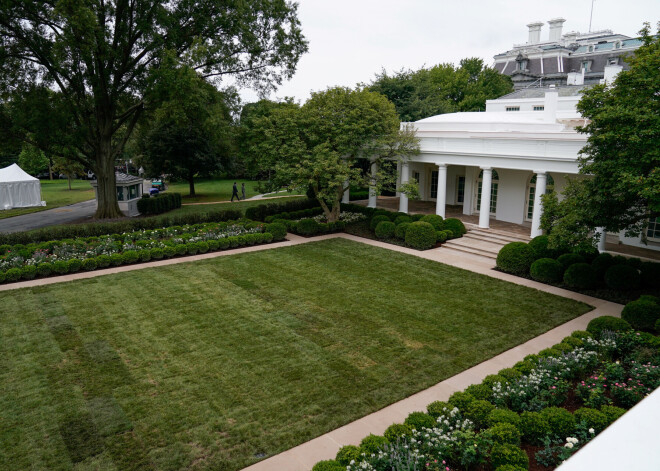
534	32
556	25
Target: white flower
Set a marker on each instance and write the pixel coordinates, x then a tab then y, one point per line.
592	431
569	445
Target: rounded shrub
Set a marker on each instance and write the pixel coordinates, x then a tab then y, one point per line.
581	334
132	256
622	277
401	219
103	261
89	264
573	341
546	270
419	420
224	243
400	231
307	227
378	219
420	235
278	230
329	465
157	253
614	324
634	262
591	418
385	230
503	416
203	247
61	267
479	391
191	248
441	236
372	443
503	454
563	347
549	352
539	245
394	431
503	433
29	272
524	367
490	380
510	467
267	237
46	268
438	408
13	274
641	314
509	373
348	453
601	263
561	421
569	259
456	226
214	244
416	217
461	399
650	274
478	411
116	259
515	258
580	276
74	265
588	252
2	277
612	413
435	220
534	427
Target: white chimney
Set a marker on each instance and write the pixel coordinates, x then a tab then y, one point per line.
611	71
575	78
551	104
556	25
534	32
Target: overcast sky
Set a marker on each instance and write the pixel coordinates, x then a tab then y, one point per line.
352	40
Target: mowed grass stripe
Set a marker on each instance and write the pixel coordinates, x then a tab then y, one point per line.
249	354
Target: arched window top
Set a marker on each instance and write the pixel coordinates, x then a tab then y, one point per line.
495	176
549	182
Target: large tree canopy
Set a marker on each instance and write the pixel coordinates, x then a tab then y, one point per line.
443	88
318	145
100	56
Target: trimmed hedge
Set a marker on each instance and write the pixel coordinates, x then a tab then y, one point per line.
580	276
385	230
277	229
456	226
641	314
569	259
420	235
308	227
161	203
601	263
622	277
546	270
400	231
515	258
539	245
260	212
435	220
377	219
611	323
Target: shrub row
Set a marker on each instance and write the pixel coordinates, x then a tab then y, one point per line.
158	204
299	214
310	227
260	212
419	231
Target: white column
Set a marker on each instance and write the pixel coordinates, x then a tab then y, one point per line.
398	179
403	199
373	197
441	197
484	211
346	197
601	241
541	179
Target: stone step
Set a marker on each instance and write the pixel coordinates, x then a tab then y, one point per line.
494	239
502	235
485	245
470	250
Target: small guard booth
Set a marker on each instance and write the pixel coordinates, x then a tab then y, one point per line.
18	189
129	191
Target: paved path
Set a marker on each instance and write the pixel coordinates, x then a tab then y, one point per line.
304	456
49	217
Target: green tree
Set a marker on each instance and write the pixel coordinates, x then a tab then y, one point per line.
190	133
318	145
622	156
98	58
69	167
442	88
32	160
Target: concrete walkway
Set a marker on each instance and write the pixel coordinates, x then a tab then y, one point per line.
49	217
304	456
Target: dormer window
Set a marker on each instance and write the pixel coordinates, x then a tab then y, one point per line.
521	63
617	45
590	49
586	66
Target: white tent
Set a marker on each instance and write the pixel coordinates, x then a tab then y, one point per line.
18	189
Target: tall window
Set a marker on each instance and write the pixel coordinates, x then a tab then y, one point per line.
120	193
493	191
434	183
460	190
653	231
550	183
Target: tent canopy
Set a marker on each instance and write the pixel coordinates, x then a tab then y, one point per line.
18	189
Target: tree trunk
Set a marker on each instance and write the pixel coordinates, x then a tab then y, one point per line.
50	169
191	183
106	191
68	179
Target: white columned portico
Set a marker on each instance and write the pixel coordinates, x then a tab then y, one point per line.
346	197
373	197
541	180
601	240
405	176
441	197
484	211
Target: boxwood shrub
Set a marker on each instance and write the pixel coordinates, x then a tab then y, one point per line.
581	276
346	454
561	422
601	263
307	227
591	418
61	267
477	411
539	245
89	264
385	230
159	204
503	433
503	416
132	256
103	261
157	253
144	255
394	431
569	259
546	270
611	323
515	258
622	277
400	219
504	454
480	391
534	427
612	413
461	399
435	220
277	229
46	268
378	219
438	408
13	274
29	272
400	231
372	443
454	225
641	314
420	235
419	420
328	465
116	259
74	265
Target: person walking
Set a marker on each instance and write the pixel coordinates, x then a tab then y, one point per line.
243	189
234	193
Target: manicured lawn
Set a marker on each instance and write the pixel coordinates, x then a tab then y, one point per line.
240	205
56	193
211	190
210	365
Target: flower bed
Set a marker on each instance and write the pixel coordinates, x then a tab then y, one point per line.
24	262
310	222
532	416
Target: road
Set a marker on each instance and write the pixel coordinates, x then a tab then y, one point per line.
50	217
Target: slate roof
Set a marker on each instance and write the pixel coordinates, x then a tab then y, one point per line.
539	92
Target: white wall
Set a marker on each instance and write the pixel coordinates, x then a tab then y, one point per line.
637	242
511	195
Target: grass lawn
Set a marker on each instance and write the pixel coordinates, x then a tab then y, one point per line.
210	190
56	193
240	205
215	364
